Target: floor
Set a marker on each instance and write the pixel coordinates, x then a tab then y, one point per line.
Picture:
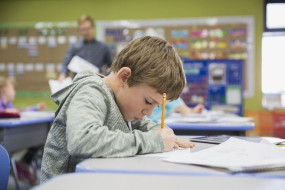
23	185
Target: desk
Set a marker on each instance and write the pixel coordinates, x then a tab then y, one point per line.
154	166
148	182
30	130
235	129
25	132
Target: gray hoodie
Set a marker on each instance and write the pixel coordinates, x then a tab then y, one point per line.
89	124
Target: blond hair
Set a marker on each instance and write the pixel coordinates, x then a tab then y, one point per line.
84	18
5	81
154	62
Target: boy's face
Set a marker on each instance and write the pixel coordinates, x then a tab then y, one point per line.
137	101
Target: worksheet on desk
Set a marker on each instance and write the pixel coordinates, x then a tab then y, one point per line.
235	155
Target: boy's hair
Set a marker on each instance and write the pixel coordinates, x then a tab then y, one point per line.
154	62
4	81
84	18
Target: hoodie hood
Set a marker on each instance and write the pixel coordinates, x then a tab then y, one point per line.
81	79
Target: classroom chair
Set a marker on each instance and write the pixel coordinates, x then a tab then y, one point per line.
4	167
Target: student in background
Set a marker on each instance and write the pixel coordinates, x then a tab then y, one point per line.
7	95
88	48
176	106
105	117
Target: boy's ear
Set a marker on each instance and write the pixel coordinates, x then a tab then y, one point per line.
123	75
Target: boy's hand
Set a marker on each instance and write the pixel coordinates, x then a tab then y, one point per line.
183	143
168	137
171	141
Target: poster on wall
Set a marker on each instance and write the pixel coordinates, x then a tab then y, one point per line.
218	84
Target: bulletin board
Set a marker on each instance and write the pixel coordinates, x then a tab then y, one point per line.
217	84
32	53
197	38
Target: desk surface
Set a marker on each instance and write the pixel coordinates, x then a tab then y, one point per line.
28	131
27	118
154	166
148	182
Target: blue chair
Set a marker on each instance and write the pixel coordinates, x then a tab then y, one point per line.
4	168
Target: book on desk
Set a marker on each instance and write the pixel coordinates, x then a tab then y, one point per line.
5	115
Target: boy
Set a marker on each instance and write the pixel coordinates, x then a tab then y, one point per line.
104	117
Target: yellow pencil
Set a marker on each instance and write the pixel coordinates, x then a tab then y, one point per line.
163	110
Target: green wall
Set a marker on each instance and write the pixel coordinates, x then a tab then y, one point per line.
69	10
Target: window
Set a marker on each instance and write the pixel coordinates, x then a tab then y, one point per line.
273	70
274	14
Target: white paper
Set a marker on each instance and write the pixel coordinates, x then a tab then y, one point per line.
50	67
10	66
42	40
56	85
77	65
207	117
2	66
29	67
20	68
12	40
274	140
39	67
235	155
72	39
233	96
35	114
61	39
186	119
32	40
3	42
52	42
235	119
176	152
22	42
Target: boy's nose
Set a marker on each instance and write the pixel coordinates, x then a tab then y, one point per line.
147	112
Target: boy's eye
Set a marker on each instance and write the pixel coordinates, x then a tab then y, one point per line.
147	102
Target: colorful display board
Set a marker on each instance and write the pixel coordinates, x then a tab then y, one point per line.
195	38
218	84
